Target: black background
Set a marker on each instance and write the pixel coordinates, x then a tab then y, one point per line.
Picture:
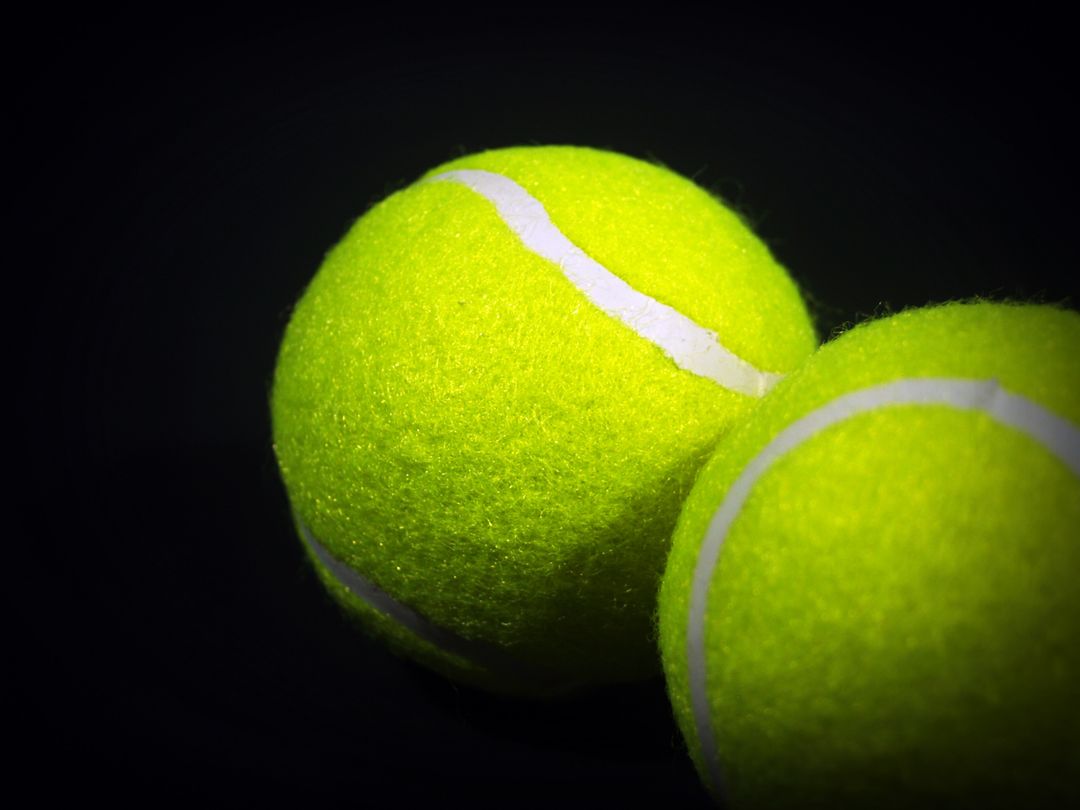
177	182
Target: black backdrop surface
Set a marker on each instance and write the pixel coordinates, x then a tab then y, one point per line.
177	183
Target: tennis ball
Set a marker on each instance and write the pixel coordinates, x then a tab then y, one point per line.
495	393
871	598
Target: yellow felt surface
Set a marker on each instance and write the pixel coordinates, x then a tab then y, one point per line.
894	619
457	422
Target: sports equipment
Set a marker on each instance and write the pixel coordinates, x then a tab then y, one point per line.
494	395
871	598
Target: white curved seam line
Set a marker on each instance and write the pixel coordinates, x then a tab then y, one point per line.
486	655
1058	435
692	347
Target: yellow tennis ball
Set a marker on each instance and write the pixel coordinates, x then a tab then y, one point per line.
872	597
495	393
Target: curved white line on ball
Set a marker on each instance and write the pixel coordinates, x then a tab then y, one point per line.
488	656
1058	435
692	347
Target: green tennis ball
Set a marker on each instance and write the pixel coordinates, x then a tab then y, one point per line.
495	393
872	596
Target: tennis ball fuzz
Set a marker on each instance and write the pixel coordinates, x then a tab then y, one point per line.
495	393
871	598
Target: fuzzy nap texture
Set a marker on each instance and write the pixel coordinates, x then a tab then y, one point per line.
894	619
458	423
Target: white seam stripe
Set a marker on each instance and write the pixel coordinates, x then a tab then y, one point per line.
486	655
1057	435
692	347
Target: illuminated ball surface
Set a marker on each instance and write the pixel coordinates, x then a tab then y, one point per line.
494	395
872	598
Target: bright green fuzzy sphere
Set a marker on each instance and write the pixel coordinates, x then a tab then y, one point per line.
483	437
873	594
